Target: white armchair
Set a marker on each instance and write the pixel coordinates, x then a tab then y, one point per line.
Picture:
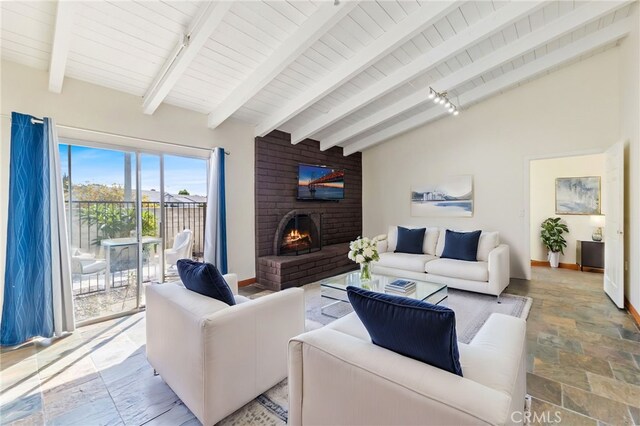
216	357
182	247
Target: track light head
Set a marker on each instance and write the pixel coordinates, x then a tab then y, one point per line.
456	112
431	95
441	101
436	100
451	109
447	105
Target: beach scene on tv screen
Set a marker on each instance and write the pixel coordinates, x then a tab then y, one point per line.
320	183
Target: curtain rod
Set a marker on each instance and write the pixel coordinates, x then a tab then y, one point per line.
99	132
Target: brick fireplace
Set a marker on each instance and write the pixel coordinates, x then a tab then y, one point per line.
298	242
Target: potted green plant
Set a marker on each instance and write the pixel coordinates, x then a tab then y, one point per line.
551	236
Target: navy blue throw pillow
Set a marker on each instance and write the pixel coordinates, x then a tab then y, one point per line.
410	240
461	245
410	327
204	278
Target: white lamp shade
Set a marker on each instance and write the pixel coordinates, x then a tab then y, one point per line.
597	221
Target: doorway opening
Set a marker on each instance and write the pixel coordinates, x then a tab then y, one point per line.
569	190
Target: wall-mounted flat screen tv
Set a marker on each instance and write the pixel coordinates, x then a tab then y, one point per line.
320	183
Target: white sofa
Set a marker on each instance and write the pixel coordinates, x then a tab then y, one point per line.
217	357
338	377
489	275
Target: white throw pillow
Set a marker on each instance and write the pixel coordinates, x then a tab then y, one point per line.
431	240
488	241
392	238
440	245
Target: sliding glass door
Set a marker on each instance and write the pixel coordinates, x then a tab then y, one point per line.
100	194
125	230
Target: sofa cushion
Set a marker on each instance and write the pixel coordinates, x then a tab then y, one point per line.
461	245
408	262
204	278
410	327
488	241
473	271
410	240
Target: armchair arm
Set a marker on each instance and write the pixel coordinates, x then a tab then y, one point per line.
232	281
365	384
499	269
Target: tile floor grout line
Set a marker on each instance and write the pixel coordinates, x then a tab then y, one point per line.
108	391
175	404
593	393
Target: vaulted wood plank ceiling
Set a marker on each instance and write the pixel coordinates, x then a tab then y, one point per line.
351	74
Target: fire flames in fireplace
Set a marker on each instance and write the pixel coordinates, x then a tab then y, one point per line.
298	233
296	240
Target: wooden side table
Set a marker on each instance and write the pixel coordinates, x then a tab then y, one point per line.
590	254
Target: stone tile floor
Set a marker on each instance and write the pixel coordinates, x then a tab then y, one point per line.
584	353
583	366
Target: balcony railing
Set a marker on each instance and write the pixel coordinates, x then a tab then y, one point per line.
92	222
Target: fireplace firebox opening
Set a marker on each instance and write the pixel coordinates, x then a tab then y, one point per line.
298	233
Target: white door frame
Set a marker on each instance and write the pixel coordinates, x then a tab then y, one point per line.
526	191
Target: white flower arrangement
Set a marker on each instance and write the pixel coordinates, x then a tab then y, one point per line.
364	250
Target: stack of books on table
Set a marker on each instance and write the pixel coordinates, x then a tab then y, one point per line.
400	287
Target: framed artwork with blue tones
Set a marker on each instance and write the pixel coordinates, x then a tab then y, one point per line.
451	197
578	195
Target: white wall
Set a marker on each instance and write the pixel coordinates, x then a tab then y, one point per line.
93	107
557	114
543	174
629	75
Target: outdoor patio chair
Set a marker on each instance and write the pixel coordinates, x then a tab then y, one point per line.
84	264
182	247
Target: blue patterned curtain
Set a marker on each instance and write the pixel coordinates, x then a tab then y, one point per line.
215	238
28	308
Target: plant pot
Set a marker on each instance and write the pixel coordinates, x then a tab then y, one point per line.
554	259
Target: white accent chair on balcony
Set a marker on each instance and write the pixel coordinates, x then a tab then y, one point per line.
86	264
217	357
182	247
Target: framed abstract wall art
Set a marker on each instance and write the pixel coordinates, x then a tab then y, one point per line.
451	197
578	195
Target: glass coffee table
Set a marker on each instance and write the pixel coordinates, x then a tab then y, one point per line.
335	290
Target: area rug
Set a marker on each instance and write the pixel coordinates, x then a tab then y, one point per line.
472	311
270	408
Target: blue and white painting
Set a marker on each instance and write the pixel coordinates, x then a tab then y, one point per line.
578	195
453	197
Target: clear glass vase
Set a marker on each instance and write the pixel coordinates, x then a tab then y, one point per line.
365	271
